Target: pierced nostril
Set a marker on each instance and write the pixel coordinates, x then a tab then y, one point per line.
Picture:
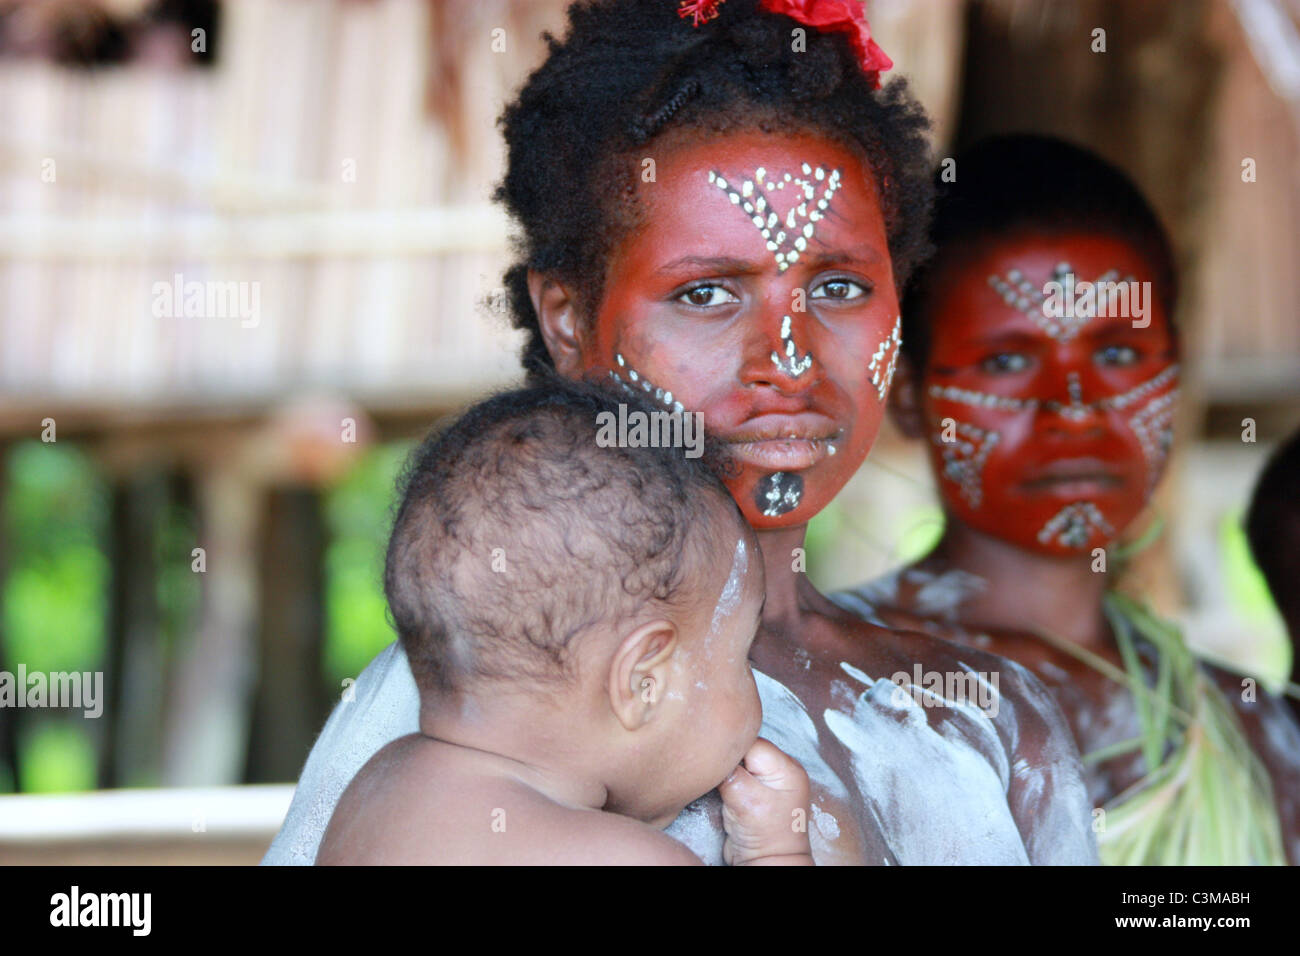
791	362
1076	409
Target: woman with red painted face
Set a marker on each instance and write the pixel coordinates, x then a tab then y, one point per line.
719	220
1040	365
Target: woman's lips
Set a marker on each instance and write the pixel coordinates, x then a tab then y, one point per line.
783	442
783	454
1074	477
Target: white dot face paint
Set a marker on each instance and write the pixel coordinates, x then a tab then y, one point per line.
778	493
642	385
885	359
1077	410
1021	294
1154	427
976	399
1153	420
964	456
1075	525
976	469
785	236
791	363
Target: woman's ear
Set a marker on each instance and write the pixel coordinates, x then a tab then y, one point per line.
639	672
557	314
905	408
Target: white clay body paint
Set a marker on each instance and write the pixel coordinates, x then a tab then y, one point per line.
913	772
826	824
938	595
729	599
937	793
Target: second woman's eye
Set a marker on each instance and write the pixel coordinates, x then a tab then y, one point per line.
1116	355
705	295
1005	362
839	289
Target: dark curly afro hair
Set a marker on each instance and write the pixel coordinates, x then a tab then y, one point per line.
629	71
1024	182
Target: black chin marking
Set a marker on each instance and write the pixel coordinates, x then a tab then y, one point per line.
778	494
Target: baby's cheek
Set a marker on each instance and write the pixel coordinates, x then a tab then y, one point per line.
750	704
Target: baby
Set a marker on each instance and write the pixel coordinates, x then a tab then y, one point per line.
578	619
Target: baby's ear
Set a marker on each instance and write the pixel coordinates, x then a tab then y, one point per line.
905	409
639	672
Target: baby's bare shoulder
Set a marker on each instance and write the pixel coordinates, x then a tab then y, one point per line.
416	803
384	814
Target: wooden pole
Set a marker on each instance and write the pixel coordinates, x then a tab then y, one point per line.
131	732
289	703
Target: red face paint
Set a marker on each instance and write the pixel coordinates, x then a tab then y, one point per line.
1048	430
758	290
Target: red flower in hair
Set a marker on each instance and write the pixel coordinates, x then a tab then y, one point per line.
701	10
838	16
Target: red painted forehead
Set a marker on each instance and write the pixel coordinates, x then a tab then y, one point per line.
695	207
967	305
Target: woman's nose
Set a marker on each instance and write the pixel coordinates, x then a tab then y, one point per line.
1072	408
780	354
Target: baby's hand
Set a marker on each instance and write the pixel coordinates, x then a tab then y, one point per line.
765	810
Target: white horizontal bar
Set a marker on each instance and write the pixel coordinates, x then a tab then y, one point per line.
365	234
248	811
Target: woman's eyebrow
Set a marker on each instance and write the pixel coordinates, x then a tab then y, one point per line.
711	265
1000	339
1100	328
853	255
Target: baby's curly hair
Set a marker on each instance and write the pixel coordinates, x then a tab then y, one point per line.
517	532
629	71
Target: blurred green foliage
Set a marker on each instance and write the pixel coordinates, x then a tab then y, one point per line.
358	515
55	595
53	601
1252	601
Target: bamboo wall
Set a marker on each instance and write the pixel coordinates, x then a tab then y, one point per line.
375	286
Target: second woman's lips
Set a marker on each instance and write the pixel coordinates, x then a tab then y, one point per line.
1070	474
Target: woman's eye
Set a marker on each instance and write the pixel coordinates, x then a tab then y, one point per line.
1005	362
1116	355
839	289
703	295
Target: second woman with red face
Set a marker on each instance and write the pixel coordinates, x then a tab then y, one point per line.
1041	368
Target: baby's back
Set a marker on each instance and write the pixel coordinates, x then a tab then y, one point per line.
419	801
